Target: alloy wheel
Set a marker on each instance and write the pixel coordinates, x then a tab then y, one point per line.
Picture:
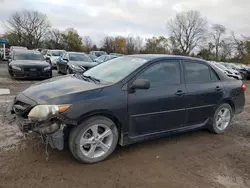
96	141
223	119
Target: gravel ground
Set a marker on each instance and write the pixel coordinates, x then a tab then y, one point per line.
194	159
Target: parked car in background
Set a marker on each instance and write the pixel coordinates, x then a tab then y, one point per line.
127	100
97	53
53	55
105	58
116	54
247	69
44	52
229	72
93	57
29	64
237	68
12	48
7	54
74	62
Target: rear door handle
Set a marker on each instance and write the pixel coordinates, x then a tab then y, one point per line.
218	88
180	93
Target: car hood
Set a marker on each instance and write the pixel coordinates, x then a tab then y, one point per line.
61	90
29	63
84	63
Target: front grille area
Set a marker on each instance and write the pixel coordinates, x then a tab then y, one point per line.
31	69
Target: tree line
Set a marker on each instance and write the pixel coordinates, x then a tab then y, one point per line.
188	33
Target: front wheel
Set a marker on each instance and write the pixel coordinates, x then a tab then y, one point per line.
222	119
93	140
67	70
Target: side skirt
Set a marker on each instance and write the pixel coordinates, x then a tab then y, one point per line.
126	140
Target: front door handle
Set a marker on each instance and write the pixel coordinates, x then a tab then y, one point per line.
218	88
180	93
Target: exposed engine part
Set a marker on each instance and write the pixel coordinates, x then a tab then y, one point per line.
48	129
56	139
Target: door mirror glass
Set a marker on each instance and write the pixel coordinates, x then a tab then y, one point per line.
48	55
140	84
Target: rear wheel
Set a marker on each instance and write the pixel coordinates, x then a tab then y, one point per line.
93	140
222	119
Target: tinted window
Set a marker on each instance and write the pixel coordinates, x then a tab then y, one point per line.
162	74
57	53
196	72
214	76
79	57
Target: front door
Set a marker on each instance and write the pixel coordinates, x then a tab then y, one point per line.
204	92
162	106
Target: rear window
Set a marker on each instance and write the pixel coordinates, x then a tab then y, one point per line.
196	72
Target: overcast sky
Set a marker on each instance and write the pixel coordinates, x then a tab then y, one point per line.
145	18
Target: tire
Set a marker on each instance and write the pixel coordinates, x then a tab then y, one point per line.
84	153
218	128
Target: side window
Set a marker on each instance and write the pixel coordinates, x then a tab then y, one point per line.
165	73
102	58
196	72
214	76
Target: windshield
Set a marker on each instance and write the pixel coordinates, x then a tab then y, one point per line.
221	66
28	56
116	69
44	52
99	53
57	53
79	57
19	48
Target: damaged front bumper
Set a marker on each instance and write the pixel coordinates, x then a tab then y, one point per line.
52	129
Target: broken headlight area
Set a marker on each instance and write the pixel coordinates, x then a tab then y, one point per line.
46	120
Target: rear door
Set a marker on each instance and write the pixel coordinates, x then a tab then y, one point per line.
162	106
204	91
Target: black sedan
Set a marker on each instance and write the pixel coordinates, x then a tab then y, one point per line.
74	62
29	64
129	99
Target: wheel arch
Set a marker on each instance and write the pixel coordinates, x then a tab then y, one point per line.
105	113
230	102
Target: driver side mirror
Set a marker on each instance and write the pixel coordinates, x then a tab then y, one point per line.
9	60
140	84
48	55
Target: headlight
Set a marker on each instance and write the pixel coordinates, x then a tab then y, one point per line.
43	112
74	66
47	68
16	67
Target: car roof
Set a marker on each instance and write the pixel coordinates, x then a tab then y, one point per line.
26	51
163	56
76	53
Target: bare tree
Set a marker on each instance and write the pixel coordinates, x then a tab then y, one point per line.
108	44
30	27
188	29
53	39
217	33
130	45
87	44
226	49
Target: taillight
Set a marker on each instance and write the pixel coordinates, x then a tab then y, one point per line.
244	88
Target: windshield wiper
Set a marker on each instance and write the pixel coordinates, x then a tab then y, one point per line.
91	78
